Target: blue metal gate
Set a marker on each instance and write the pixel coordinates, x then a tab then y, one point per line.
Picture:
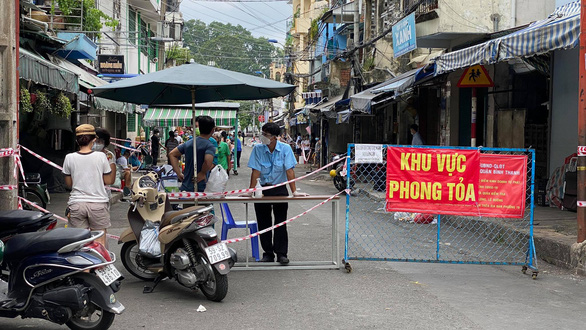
372	233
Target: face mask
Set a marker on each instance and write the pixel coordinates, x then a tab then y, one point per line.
197	131
175	134
265	140
97	146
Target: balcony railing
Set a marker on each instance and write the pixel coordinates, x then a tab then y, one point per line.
419	6
56	20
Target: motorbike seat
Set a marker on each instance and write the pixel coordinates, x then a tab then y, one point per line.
27	244
16	218
170	215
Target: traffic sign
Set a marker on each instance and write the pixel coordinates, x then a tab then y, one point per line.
475	76
261	118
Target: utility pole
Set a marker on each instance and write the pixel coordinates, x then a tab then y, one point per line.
356	23
581	215
9	29
163	12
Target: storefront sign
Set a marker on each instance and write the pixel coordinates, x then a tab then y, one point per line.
438	181
111	64
457	182
368	153
404	38
503	179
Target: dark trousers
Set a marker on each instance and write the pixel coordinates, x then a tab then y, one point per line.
155	158
238	153
280	243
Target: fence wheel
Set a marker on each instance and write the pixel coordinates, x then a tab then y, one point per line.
347	266
524	269
534	275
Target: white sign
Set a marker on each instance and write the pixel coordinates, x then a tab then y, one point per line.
368	153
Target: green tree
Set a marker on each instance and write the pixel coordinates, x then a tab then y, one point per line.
230	47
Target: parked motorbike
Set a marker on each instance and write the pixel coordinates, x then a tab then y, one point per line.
34	191
187	243
339	174
22	221
62	276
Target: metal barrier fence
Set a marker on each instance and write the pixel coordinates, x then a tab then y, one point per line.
372	233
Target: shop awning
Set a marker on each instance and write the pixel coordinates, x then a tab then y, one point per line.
364	100
174	116
330	105
343	117
561	30
89	81
37	69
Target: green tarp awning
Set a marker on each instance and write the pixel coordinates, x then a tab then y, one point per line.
167	117
39	70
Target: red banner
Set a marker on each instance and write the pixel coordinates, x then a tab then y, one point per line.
438	181
454	181
503	179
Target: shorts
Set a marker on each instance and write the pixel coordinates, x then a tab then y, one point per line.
89	215
298	151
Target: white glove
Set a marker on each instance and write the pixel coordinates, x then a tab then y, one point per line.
300	194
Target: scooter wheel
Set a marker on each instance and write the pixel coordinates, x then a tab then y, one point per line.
132	261
215	285
91	318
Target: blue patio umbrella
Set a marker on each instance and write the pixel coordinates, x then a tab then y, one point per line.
192	83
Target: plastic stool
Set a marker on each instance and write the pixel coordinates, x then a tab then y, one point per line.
229	223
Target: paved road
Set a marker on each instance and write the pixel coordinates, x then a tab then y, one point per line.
375	295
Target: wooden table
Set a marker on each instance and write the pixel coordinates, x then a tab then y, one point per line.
334	263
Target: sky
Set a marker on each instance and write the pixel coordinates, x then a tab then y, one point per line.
263	19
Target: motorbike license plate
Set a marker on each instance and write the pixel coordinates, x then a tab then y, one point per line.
108	274
217	252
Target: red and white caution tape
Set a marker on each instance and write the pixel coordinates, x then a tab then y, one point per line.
124	147
41	209
6	152
8	187
581	150
43	159
243	191
240	239
18	164
581	203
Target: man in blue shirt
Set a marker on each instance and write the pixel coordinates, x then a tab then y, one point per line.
238	151
205	156
272	162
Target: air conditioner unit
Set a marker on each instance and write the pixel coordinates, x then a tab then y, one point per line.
162	30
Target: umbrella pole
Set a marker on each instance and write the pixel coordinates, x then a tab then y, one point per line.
194	141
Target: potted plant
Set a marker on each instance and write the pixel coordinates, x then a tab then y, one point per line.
25	101
63	106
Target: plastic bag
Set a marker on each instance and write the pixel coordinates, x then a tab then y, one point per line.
149	240
424	218
217	180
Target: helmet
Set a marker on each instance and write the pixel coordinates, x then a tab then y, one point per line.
333	173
